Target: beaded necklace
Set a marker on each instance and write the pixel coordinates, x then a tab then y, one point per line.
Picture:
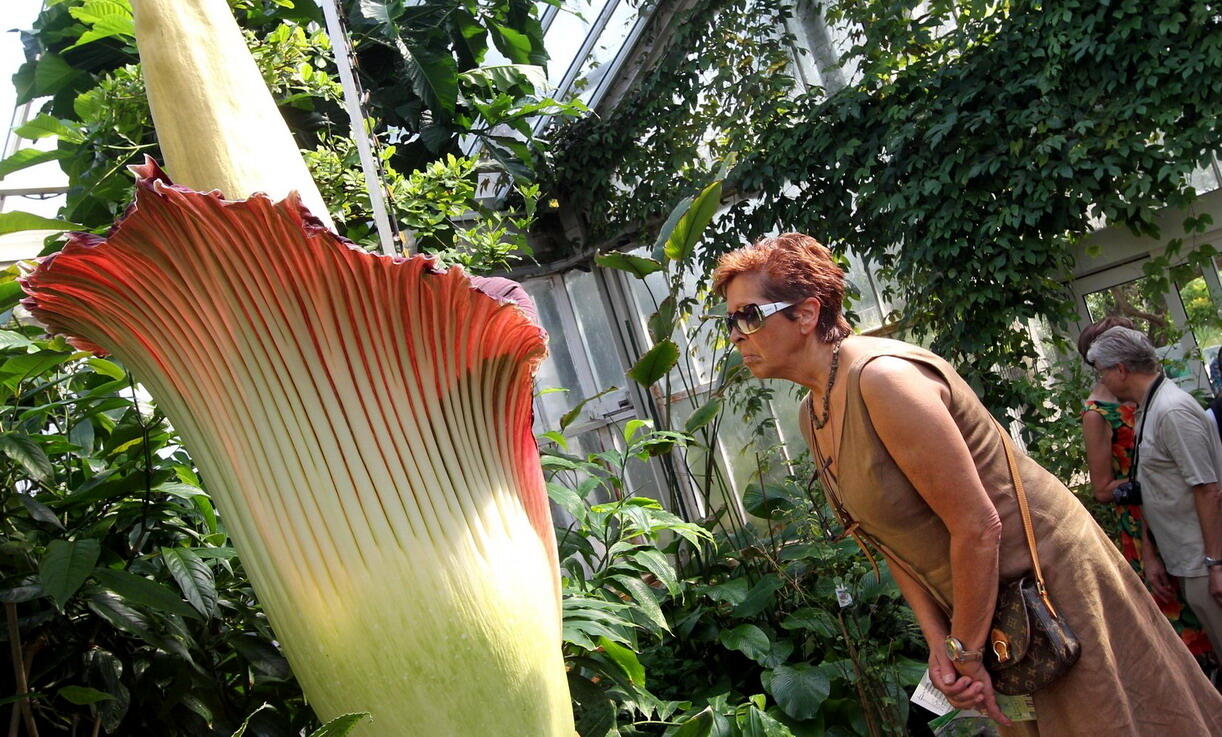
827	393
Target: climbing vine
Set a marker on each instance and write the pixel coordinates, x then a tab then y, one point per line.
973	146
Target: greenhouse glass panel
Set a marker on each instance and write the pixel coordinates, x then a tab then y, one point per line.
866	305
599	62
593	322
787	397
567	33
558	370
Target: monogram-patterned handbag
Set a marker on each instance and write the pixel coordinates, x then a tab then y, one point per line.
1030	645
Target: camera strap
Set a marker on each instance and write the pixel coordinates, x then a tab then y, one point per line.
1141	432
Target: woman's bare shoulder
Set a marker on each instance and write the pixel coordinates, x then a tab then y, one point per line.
1099	393
892	376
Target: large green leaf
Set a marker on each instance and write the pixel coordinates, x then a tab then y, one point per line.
638	266
733	591
433	74
760	597
110	607
754	722
814	620
10	339
662	322
596	717
139	590
799	689
748	640
194	577
83	695
384	13
701	725
506	77
518	47
655	561
22	449
703	415
39	511
341	725
82	435
10	293
655	364
105	19
568	499
644	598
17	221
682	241
262	656
53	75
583	633
65	566
668	227
106	665
765	500
20	594
45	126
27	157
626	659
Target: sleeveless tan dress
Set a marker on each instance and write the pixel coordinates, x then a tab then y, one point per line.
1135	677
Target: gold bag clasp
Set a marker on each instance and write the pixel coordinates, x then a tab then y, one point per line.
1001	646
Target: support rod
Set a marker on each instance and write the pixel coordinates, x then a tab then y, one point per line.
360	132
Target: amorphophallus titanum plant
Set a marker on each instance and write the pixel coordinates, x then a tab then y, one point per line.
363	422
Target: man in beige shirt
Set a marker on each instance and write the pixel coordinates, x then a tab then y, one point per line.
1179	466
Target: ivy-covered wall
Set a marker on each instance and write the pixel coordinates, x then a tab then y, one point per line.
966	157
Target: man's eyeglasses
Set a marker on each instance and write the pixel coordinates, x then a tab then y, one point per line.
751	317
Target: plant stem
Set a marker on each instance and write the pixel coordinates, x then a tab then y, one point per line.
19	670
866	709
148	467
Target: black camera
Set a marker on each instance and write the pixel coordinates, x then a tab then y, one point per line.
1127	494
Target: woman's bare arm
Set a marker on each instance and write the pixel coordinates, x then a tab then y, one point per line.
908	407
1098	435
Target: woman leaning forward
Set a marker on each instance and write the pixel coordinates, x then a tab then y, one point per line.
920	465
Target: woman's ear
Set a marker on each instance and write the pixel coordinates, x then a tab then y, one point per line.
807	313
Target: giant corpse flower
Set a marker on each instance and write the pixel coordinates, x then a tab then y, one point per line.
364	423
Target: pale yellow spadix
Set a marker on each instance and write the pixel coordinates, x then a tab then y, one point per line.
217	124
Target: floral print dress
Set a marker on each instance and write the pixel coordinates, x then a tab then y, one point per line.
1126	528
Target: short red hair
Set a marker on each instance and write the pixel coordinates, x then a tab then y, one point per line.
795	267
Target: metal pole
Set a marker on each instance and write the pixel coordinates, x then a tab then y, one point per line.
352	102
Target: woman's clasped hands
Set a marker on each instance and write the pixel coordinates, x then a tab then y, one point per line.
967	686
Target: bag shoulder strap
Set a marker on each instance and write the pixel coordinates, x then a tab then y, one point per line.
1025	512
